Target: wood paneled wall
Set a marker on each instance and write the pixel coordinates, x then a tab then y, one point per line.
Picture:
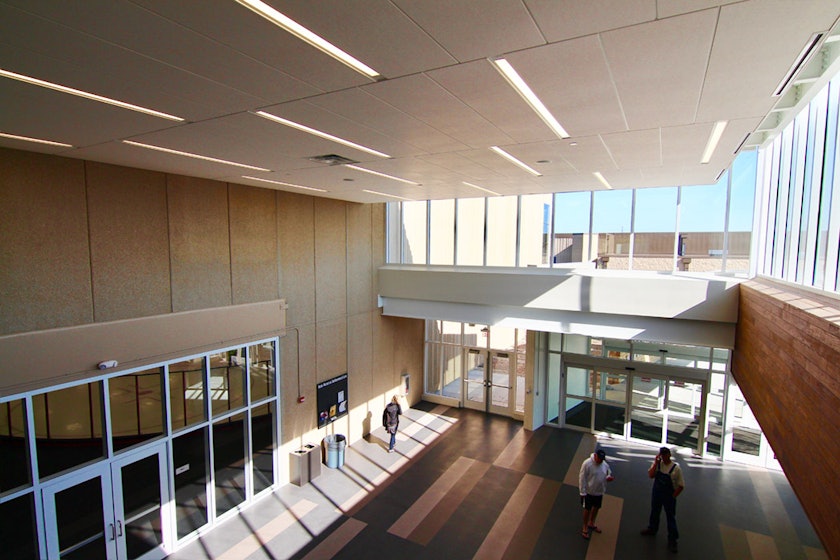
787	364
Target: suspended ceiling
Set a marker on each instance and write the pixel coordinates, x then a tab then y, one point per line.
638	85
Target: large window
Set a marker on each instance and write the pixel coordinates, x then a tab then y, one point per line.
799	226
704	228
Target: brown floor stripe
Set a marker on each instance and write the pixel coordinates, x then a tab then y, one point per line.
525	539
511	453
584	450
267	532
498	539
441	514
521	456
763	546
414	515
781	528
735	545
602	545
339	538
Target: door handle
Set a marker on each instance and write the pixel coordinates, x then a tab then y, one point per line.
119	529
113	531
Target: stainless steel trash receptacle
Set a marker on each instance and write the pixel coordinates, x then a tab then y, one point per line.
305	464
335	450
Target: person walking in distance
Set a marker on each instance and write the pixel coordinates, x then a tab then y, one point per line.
592	482
668	483
391	420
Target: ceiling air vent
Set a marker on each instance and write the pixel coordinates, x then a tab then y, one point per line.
332	159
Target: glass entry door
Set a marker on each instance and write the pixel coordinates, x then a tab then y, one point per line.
488	383
668	410
110	511
744	441
595	399
77	526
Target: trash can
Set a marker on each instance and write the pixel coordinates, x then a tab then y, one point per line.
305	465
335	450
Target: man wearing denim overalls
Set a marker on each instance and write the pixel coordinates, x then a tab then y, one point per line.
667	485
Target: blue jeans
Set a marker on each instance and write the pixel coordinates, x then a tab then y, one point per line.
393	440
666	500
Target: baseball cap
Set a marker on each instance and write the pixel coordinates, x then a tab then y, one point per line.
601	453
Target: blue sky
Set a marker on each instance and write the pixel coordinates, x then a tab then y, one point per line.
702	207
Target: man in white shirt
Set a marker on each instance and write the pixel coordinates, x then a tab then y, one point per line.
592	483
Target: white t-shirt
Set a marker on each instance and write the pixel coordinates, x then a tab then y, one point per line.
593	477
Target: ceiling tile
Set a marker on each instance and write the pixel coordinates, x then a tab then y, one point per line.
471	30
658	73
566	19
573	81
425	100
635	149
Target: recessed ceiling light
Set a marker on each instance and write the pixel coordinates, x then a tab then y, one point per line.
378	174
515	161
87	95
714	138
524	90
36	140
320	134
386	194
481	188
194	156
302	33
283	184
602	179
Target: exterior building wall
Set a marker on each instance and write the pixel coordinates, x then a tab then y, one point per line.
90	248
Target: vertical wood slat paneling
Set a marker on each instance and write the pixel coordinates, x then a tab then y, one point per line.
787	364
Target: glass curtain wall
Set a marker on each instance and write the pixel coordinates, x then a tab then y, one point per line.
705	228
798	194
217	411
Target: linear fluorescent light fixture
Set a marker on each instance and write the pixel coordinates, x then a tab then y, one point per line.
386	194
798	62
480	188
602	180
524	90
378	174
36	140
302	33
714	138
320	134
284	184
87	95
191	155
515	161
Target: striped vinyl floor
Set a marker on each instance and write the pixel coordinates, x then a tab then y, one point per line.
468	485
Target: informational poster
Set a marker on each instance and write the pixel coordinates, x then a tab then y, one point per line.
332	399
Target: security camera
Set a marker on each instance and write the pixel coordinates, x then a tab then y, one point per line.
108	364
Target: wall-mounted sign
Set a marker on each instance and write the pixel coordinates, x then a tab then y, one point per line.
332	399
